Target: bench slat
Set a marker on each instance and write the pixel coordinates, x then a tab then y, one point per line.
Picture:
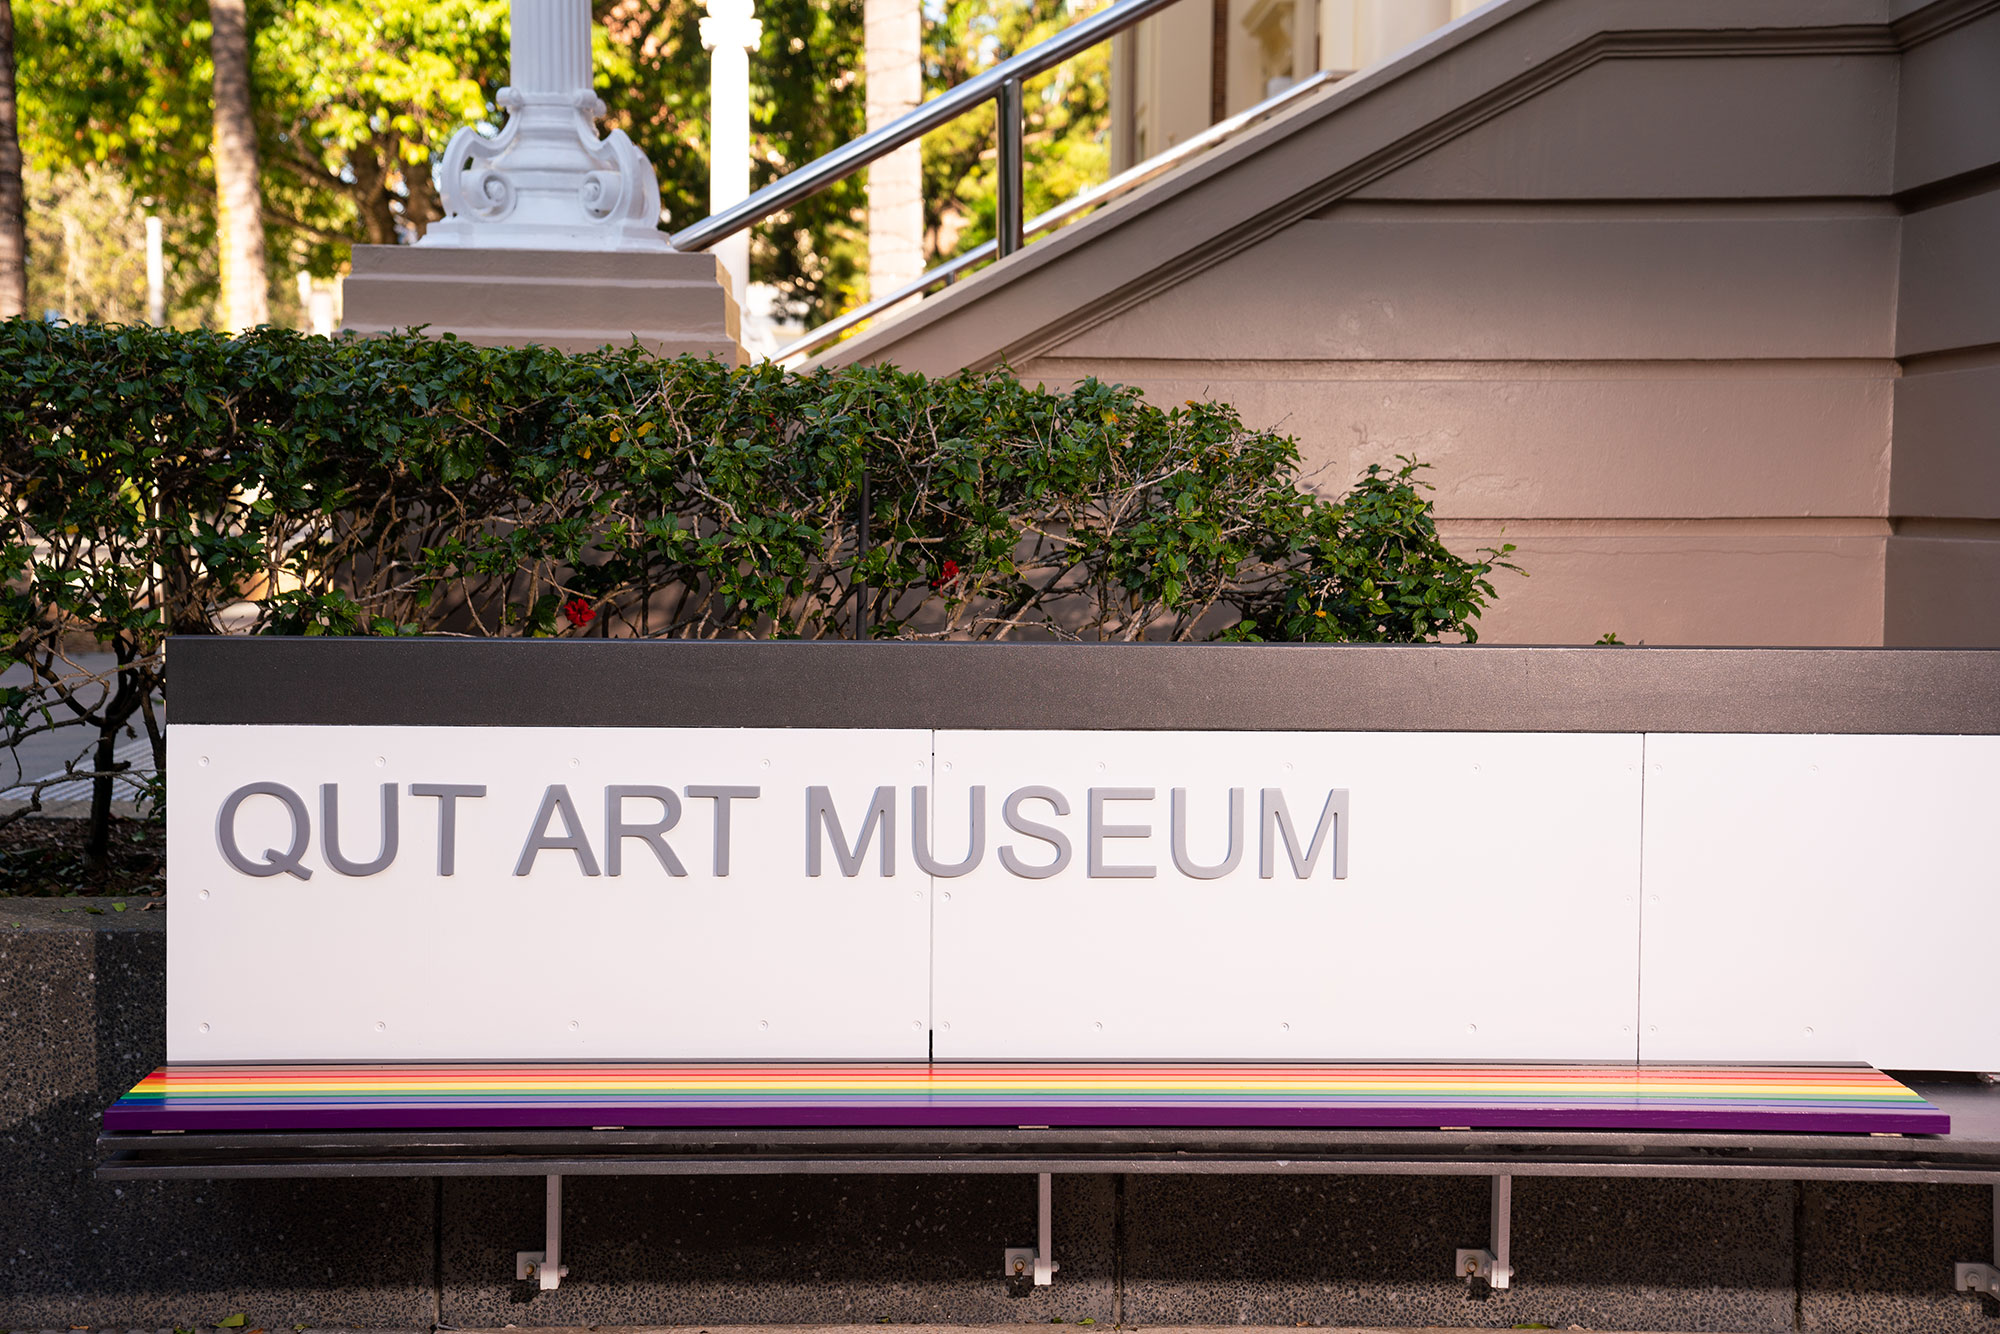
1852	1099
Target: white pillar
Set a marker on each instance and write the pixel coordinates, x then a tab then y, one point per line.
156	272
546	181
893	32
548	48
730	32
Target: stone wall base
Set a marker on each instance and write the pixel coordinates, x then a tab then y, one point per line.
82	1001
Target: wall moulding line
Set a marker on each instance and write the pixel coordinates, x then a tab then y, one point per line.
1977	357
1500	370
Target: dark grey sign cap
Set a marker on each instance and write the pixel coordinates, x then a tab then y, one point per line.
1140	687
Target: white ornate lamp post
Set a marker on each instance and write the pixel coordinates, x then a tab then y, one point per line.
551	235
731	32
546	181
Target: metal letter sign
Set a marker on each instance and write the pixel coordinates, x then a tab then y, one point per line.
538	893
1219	905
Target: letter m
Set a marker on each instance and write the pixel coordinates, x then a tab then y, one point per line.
1278	826
823	820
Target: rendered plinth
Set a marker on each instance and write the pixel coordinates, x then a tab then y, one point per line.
672	302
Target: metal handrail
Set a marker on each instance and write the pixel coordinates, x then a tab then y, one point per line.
1002	81
1123	183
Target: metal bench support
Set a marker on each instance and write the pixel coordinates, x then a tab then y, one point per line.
1020	1260
1496	1264
546	1266
1982	1278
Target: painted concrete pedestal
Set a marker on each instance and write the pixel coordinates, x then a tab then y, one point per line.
551	235
672	302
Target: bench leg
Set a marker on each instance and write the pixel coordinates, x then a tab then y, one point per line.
1495	1264
1020	1262
1982	1278
546	1266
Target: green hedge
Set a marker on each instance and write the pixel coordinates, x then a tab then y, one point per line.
159	482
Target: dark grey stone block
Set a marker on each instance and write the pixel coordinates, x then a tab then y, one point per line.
1251	1250
1656	1255
81	1005
757	1250
1877	1259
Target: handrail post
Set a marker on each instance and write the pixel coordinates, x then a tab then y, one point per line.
1008	208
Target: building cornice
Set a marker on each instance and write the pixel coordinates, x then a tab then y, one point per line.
1196	250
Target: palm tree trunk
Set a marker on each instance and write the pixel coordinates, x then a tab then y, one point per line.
893	50
239	206
13	217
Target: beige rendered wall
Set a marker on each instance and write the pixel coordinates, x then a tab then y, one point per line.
1641	325
1686	330
1943	568
1696	302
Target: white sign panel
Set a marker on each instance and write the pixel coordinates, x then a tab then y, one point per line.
1487	908
1822	898
439	893
510	923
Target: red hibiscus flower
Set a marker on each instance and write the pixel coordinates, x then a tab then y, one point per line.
946	575
578	611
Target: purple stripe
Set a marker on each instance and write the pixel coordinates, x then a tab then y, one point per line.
1927	1121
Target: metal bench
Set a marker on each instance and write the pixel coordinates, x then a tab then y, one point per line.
282	1083
1843	1123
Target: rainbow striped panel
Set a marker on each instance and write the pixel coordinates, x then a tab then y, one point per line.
1841	1099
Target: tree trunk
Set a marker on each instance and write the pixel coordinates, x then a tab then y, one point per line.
13	217
97	836
118	711
239	206
371	194
422	207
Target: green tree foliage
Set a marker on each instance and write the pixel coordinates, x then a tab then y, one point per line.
353	99
124	84
349	97
353	96
87	235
